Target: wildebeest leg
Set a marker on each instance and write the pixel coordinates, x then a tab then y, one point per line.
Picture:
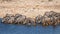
54	22
49	22
43	23
46	23
58	21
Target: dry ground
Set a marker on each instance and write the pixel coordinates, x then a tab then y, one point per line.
30	8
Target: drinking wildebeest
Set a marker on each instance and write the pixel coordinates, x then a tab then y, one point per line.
52	20
38	19
48	16
19	18
29	21
52	16
9	18
45	20
57	18
5	19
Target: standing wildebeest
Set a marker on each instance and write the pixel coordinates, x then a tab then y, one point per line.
29	21
9	18
19	19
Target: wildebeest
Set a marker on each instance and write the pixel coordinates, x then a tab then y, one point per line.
29	21
38	19
9	18
53	17
45	20
57	18
19	19
5	19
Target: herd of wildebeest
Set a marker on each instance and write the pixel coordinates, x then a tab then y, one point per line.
49	18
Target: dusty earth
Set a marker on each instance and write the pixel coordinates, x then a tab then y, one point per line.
30	8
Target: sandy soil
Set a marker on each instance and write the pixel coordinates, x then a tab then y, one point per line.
30	8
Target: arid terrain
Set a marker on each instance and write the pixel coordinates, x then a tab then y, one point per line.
29	8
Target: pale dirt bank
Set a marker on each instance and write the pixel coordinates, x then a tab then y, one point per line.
30	8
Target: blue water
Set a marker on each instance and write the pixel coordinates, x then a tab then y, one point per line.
23	29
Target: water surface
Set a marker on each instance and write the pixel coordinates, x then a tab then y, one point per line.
23	29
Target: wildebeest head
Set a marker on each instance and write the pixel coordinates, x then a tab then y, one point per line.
38	19
8	18
29	21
